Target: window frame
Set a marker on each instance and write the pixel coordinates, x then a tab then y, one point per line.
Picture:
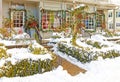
118	14
110	14
17	19
110	26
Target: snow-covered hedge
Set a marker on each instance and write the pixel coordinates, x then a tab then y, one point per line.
85	56
26	67
25	61
95	44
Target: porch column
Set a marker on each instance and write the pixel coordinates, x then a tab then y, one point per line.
0	13
106	18
114	20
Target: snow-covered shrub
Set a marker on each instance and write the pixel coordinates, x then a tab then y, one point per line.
85	56
95	44
77	53
110	54
3	53
35	48
26	67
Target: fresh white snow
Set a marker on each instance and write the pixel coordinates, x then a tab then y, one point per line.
107	70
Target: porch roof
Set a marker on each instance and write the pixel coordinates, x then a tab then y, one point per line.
101	4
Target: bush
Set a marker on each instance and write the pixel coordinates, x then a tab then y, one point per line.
85	56
95	44
37	49
3	53
26	67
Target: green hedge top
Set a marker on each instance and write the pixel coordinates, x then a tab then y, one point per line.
85	56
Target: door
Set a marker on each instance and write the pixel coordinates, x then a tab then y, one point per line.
18	20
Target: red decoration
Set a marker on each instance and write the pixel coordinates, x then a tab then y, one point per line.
31	22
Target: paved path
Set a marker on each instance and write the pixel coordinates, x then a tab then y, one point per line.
71	68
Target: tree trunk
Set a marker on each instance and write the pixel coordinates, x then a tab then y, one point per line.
74	36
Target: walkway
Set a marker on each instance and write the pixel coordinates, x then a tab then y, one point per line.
71	68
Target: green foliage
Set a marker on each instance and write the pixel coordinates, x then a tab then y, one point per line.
26	67
110	54
96	44
3	53
37	50
31	21
89	42
85	56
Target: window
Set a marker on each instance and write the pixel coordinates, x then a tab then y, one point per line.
110	25
17	14
117	24
17	18
89	22
110	14
117	14
52	19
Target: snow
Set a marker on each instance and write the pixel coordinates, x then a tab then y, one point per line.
103	40
98	71
14	40
22	53
102	70
21	36
98	37
18	54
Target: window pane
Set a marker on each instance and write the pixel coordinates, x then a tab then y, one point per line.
18	18
20	25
